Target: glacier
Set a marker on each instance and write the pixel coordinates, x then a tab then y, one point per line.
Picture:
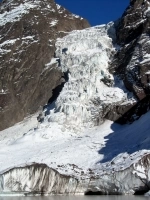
74	149
90	89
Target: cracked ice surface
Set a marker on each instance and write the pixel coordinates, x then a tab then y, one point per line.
85	55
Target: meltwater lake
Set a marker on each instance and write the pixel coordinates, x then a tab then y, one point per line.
110	197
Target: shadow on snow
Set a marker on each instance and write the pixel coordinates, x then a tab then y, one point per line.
127	138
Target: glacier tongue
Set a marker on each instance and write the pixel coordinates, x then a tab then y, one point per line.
85	56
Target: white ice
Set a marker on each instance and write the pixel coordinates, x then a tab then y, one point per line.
68	135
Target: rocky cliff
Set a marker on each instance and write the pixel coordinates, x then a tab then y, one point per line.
132	60
28	31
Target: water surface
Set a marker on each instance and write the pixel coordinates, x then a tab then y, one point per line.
111	197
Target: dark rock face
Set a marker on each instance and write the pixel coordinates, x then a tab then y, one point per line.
133	36
28	30
132	61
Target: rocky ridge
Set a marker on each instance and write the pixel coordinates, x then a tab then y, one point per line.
28	31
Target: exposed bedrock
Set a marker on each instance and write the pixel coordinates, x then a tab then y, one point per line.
28	31
132	60
133	56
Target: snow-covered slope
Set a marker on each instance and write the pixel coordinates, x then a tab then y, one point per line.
71	138
90	149
14	11
17	12
94	155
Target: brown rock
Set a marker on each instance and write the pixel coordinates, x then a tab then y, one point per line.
27	44
130	61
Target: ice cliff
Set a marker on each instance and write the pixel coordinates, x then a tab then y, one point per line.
39	179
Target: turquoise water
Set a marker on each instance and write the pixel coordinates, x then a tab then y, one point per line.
78	198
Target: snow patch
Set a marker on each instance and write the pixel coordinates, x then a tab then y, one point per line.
4	47
17	12
53	23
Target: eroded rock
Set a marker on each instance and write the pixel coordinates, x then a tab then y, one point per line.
27	37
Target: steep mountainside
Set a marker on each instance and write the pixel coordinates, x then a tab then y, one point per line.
28	31
132	61
74	148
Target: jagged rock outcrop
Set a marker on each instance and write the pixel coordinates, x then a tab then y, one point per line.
132	61
28	30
